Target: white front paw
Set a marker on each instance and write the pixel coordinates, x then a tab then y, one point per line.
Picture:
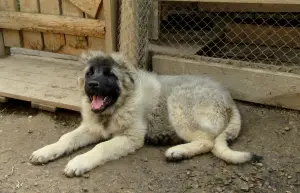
45	154
78	166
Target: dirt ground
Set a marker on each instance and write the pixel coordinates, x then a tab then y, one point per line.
271	132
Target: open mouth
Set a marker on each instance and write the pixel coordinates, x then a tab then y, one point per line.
99	103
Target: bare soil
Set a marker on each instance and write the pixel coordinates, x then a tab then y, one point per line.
271	132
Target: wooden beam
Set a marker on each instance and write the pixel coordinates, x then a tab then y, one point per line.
3	99
75	45
110	14
291	2
31	40
247	84
88	6
53	42
11	38
248	7
2	47
264	35
43	54
261	53
95	43
52	23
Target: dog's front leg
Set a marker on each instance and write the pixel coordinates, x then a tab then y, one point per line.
113	149
67	143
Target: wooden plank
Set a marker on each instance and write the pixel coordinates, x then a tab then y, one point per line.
44	89
262	53
248	7
110	14
52	23
40	53
31	40
254	85
40	69
3	99
264	35
11	38
75	45
94	42
291	2
53	42
2	47
43	107
88	6
175	49
154	20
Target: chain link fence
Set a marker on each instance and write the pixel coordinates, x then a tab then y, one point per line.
257	36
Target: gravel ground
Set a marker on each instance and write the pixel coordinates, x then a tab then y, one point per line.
271	132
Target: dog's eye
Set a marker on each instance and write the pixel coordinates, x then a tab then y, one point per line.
111	74
90	72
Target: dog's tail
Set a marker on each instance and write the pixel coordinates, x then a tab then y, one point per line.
231	132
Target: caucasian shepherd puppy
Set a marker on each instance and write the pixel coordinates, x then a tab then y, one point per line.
123	107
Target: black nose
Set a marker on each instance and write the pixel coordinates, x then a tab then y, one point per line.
93	84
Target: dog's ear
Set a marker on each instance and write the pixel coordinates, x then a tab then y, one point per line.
123	61
80	82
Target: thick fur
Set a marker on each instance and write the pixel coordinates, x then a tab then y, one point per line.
194	112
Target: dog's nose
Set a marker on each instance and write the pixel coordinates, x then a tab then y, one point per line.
93	84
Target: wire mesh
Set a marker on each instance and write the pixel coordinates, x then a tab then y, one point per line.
231	34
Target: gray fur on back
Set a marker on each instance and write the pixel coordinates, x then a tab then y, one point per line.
190	90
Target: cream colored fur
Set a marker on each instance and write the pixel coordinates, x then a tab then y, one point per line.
193	109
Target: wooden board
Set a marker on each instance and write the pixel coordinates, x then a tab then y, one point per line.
154	20
12	38
264	35
248	7
45	81
261	53
75	45
254	85
292	2
94	42
110	14
53	42
31	40
52	24
24	51
2	47
90	7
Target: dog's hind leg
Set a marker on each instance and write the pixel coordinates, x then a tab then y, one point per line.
197	126
69	142
188	150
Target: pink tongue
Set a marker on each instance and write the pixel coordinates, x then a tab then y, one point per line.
97	102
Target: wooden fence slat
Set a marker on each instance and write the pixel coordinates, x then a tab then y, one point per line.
88	6
53	42
110	14
74	44
31	40
2	47
12	38
94	42
52	24
264	35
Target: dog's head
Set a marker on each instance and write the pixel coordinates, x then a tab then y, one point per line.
107	79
